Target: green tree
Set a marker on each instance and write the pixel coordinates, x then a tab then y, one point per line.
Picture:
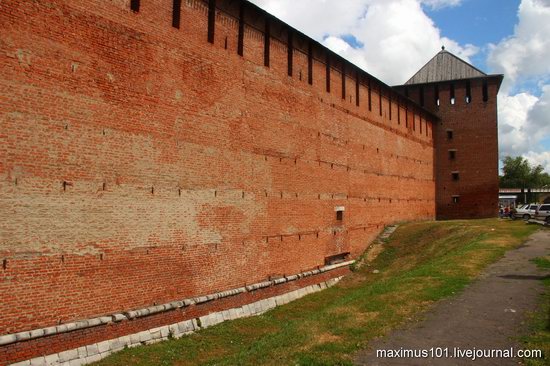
518	173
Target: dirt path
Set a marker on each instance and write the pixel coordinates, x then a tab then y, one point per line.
489	314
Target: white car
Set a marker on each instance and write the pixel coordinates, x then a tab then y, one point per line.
527	211
543	213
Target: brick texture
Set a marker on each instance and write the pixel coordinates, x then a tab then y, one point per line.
141	164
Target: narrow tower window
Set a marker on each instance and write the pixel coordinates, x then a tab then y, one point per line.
310	63
389	105
436	95
339	213
240	37
176	13
452	93
343	79
290	50
267	40
357	88
211	20
468	92
328	73
398	112
456	199
455	176
370	95
485	92
380	98
449	134
452	154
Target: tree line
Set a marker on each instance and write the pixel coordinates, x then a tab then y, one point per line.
519	173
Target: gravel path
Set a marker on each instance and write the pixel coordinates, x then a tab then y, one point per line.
489	314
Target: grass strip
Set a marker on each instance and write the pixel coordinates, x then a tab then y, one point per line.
423	262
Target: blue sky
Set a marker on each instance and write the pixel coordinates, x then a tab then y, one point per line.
478	22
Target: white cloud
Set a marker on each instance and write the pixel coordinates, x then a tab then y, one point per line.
438	4
513	111
524	118
397	38
539	158
524	121
316	18
525	54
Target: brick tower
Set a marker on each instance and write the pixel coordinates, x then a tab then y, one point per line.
465	138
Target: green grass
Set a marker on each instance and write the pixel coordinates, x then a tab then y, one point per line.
540	322
422	263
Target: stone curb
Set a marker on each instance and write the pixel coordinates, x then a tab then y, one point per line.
132	314
95	352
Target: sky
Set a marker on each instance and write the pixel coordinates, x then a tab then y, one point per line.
392	39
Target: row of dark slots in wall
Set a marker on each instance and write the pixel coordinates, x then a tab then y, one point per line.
452	94
135	5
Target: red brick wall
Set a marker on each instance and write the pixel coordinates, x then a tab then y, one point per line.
140	164
475	139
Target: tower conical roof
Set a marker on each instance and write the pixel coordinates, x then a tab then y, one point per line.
445	66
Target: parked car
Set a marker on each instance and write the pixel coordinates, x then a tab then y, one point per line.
526	212
543	213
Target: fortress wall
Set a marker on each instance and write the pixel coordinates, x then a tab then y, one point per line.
141	164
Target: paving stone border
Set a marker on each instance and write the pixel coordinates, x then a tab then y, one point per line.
95	352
